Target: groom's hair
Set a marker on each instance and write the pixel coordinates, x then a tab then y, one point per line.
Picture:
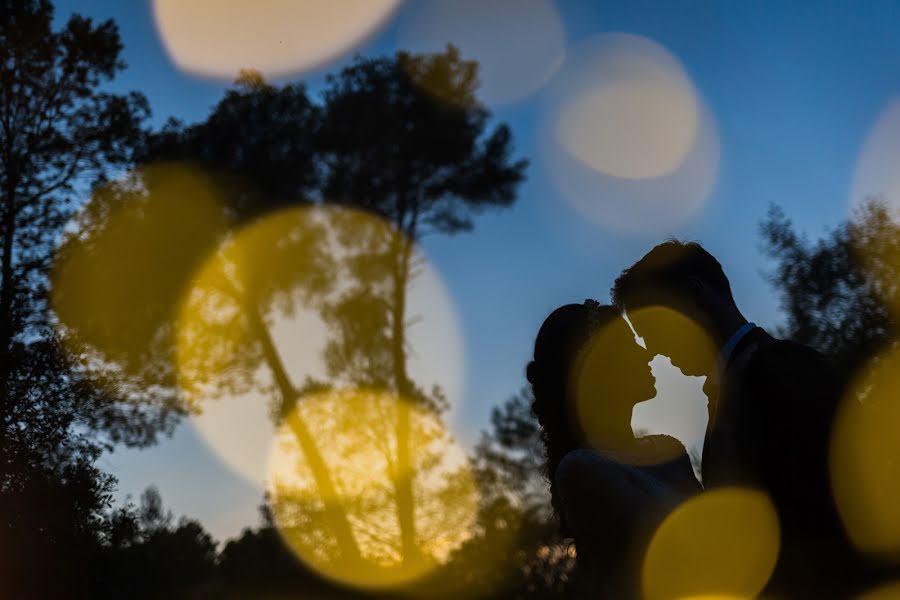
663	275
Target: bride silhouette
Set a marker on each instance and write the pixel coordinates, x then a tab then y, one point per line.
608	488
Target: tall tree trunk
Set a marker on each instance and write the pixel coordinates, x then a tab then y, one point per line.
402	247
334	512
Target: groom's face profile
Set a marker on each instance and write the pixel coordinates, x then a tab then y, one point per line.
670	333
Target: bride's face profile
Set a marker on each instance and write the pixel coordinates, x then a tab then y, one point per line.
589	369
611	375
614	371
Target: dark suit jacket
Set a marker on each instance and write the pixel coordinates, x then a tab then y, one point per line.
770	429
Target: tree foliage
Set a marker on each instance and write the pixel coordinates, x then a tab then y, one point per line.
381	144
96	368
839	294
59	131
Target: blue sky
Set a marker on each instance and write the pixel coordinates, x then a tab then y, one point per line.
794	88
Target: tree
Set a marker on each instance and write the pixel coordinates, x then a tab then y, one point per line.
257	133
363	188
423	163
144	554
180	215
58	129
840	295
837	292
510	457
58	132
517	551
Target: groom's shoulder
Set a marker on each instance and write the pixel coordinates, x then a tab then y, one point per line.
787	368
786	357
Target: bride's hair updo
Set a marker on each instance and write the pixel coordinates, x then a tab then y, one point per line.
559	342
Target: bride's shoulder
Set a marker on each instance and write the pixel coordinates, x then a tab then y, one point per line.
577	464
578	459
581	476
665	445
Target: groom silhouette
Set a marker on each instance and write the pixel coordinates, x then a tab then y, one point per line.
771	403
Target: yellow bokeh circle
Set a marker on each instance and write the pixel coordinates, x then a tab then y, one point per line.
230	358
252	326
339	507
721	543
865	458
672	333
118	277
611	376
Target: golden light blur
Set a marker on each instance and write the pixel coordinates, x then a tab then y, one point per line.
519	44
275	37
117	278
252	325
608	381
877	170
627	139
671	333
224	330
889	591
865	458
679	409
719	544
355	481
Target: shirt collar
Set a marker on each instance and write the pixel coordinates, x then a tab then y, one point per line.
728	349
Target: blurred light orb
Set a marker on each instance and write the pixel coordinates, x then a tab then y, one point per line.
519	44
878	166
671	333
275	37
627	138
679	409
355	430
117	278
865	458
637	116
877	178
292	261
720	543
604	375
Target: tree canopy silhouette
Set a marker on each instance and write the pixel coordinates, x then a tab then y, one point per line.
262	135
840	295
837	292
59	131
321	207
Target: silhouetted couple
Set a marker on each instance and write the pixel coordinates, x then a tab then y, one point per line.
770	408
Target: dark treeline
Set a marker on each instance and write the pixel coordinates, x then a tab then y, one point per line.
403	138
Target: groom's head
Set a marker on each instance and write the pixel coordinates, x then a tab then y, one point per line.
677	297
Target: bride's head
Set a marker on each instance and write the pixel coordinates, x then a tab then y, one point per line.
587	367
587	374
